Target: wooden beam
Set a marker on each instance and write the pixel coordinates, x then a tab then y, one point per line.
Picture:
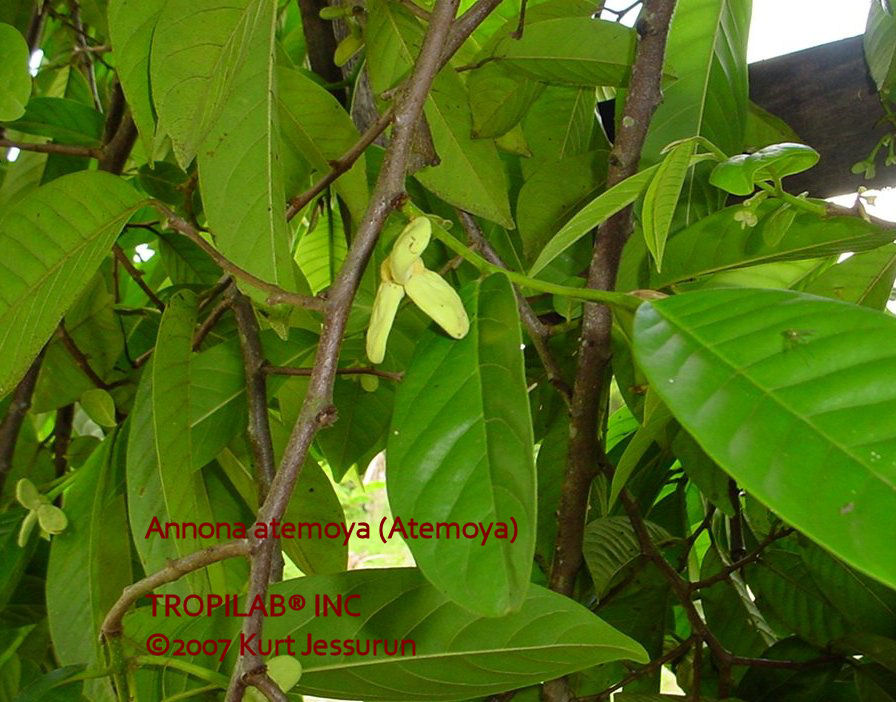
827	96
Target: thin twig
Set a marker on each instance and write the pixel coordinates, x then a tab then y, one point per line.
176	569
751	557
414	8
340	165
63	149
87	63
317	409
137	276
259	429
646	669
81	360
209	323
62	437
15	416
460	30
276	294
289	370
538	333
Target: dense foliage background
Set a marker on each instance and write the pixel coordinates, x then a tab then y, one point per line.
247	245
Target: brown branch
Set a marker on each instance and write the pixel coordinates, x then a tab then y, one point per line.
276	294
320	41
209	322
63	149
290	370
19	405
317	409
261	681
117	151
646	669
81	359
176	569
340	165
259	429
460	30
590	389
137	276
538	333
62	437
751	557
87	63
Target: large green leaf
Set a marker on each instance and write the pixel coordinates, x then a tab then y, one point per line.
90	562
706	51
720	242
471	174
599	209
131	26
361	430
63	119
864	279
610	544
458	655
570	50
561	123
53	240
499	99
460	450
775	385
880	45
198	50
393	37
181	485
240	172
15	83
546	201
315	125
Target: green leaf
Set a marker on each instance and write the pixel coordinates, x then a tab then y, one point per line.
393	37
99	406
315	125
863	279
880	45
199	48
15	82
764	128
53	239
90	562
361	429
471	175
62	119
610	544
795	382
591	215
706	51
131	26
732	245
662	196
575	51
739	174
546	201
499	99
459	655
473	391
181	484
786	591
560	123
239	160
